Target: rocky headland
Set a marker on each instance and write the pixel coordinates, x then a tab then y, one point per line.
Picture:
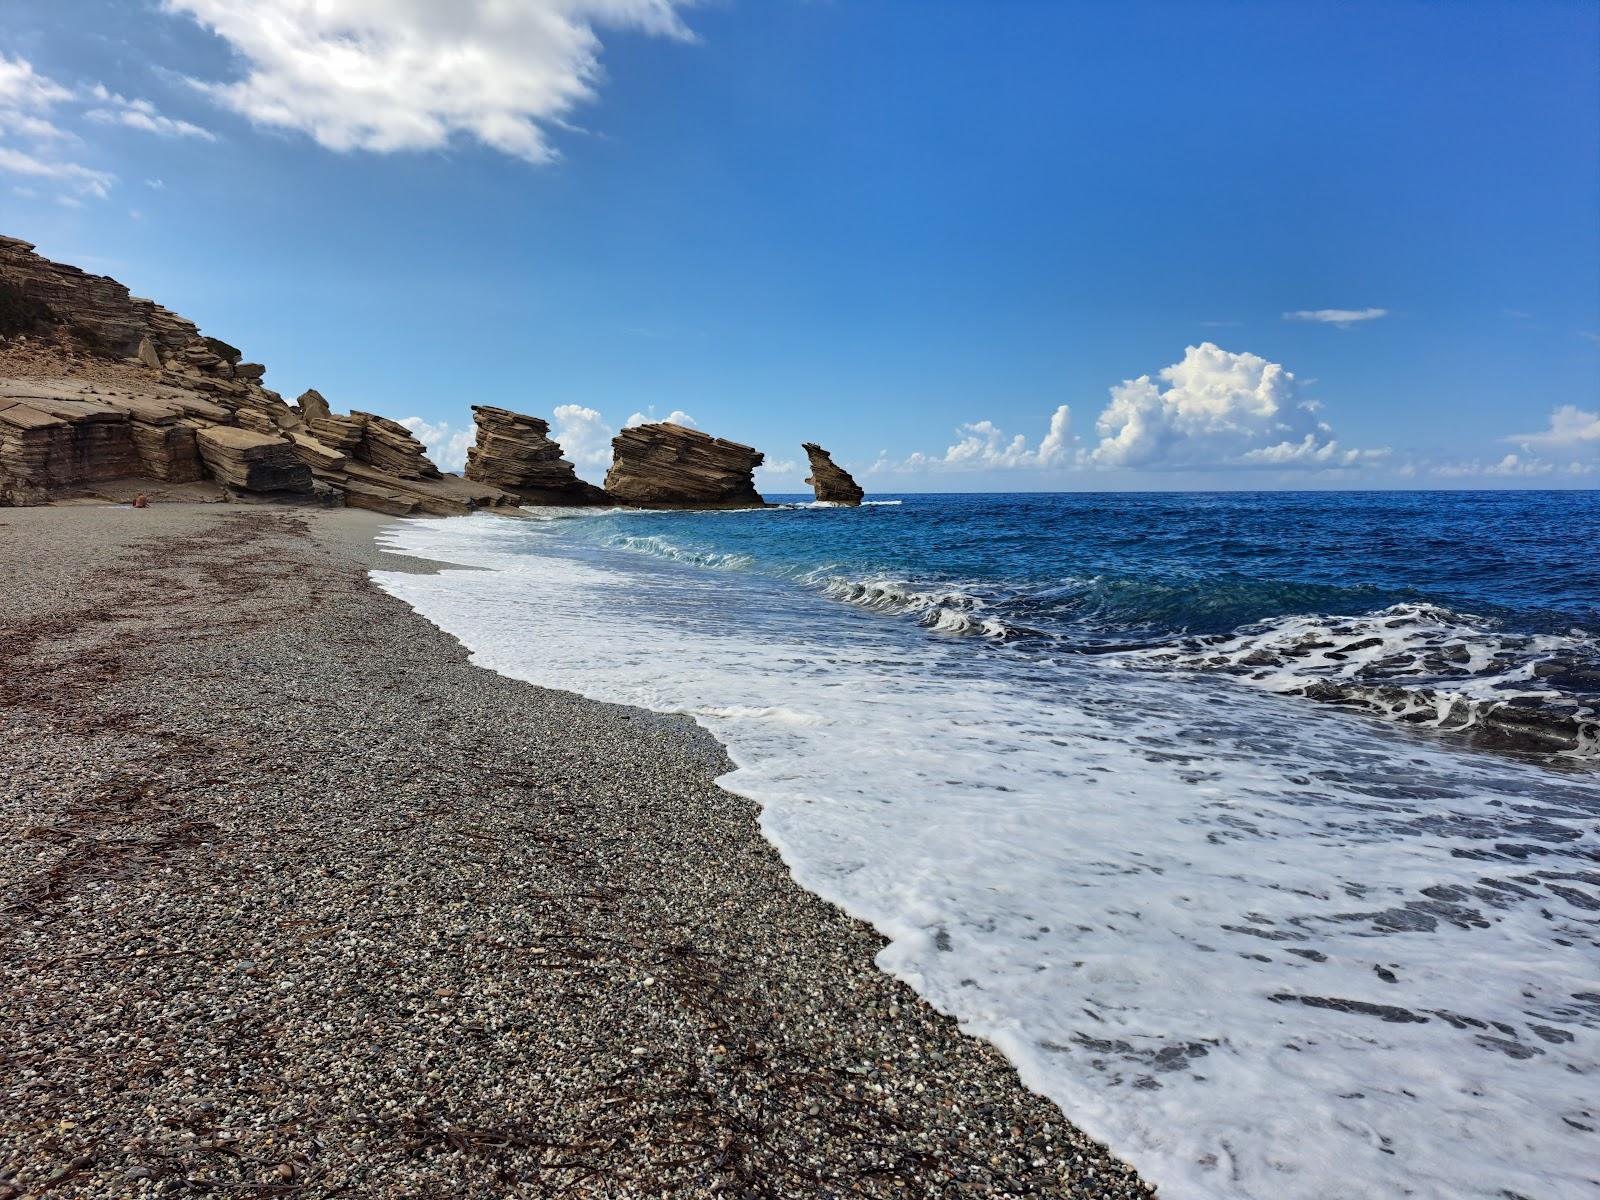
105	395
515	454
662	465
831	482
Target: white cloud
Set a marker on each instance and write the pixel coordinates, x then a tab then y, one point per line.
676	417
584	434
24	90
27	105
447	446
1571	443
1217	409
984	446
776	470
1344	318
83	179
140	114
389	75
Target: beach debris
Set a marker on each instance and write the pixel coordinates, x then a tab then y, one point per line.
662	465
831	482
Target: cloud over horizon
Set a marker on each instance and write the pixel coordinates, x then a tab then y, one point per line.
1341	318
416	74
1213	409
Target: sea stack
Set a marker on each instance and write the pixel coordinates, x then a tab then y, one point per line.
831	482
669	466
514	453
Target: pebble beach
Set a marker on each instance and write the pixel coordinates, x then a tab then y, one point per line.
300	902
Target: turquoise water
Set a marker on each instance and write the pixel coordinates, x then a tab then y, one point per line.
1205	809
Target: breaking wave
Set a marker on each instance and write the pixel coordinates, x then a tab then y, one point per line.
1424	665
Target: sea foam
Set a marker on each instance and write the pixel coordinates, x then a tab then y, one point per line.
1259	947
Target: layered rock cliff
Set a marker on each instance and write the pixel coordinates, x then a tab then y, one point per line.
669	466
830	481
514	453
104	393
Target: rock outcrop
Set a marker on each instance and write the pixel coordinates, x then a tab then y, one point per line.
98	386
252	461
831	482
669	466
514	453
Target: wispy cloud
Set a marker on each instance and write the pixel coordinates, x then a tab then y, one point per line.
415	74
140	114
75	175
1343	318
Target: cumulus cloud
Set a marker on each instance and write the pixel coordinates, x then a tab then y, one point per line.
140	114
1343	318
1217	409
390	75
676	417
1573	431
584	434
984	446
447	446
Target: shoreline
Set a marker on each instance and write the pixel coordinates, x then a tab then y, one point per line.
309	904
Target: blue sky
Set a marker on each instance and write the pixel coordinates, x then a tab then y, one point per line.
913	231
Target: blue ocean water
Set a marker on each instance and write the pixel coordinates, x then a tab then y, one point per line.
1259	830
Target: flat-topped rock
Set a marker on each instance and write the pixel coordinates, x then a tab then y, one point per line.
663	465
252	460
514	453
831	482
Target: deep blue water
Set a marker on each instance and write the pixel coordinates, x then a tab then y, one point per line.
1259	830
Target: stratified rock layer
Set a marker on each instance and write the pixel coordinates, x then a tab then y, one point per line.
668	466
830	481
514	453
99	387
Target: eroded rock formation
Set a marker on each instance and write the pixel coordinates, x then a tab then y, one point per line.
669	466
830	481
514	453
99	388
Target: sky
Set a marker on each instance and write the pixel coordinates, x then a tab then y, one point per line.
989	245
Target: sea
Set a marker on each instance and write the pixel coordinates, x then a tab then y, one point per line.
1261	831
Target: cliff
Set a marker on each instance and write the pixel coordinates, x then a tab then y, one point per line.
103	393
514	453
830	481
669	466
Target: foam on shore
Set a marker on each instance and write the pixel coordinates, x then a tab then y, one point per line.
1259	947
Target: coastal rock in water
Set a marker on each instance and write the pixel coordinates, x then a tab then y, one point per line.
514	452
668	466
252	461
831	482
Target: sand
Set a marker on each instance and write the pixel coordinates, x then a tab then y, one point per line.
299	902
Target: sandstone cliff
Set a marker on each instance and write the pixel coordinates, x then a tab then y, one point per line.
668	466
514	453
106	394
830	481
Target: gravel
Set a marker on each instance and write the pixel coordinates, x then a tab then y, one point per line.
299	903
